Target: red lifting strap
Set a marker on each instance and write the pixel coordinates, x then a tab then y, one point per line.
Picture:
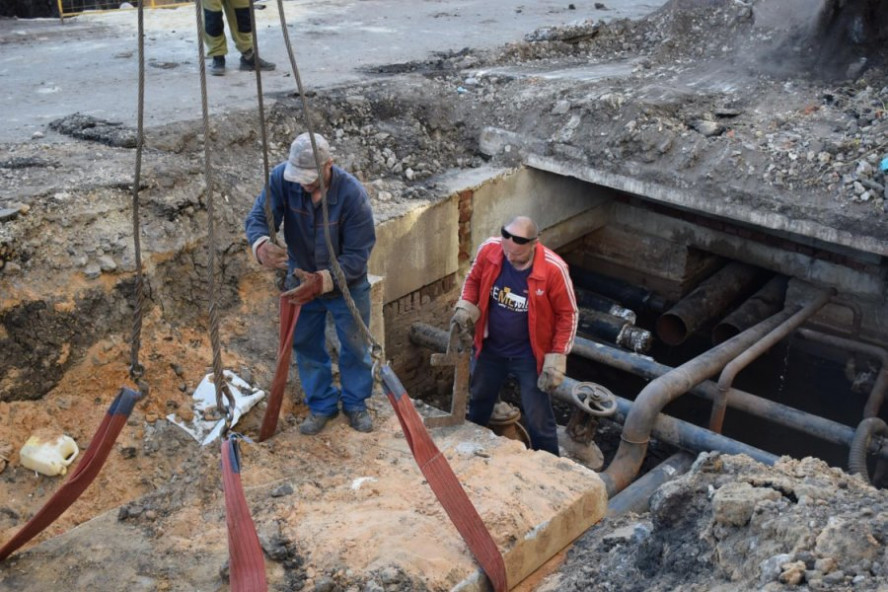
80	478
444	484
289	316
246	566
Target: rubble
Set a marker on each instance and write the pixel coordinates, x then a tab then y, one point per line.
719	96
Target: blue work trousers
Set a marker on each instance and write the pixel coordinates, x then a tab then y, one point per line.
313	360
489	373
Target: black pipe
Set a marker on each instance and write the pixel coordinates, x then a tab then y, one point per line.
623	292
591	300
615	330
636	498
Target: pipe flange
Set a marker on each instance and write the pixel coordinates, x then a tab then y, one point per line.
594	399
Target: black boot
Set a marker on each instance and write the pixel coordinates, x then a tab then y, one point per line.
248	62
217	68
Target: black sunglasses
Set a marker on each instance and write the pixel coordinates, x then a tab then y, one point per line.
518	240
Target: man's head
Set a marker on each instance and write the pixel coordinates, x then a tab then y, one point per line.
519	239
301	167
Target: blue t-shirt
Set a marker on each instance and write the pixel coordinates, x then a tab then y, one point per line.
507	334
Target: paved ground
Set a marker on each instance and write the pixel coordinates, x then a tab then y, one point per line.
90	63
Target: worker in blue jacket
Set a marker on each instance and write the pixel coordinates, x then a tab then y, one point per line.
295	191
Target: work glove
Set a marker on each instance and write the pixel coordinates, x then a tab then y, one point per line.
311	285
464	317
271	255
554	367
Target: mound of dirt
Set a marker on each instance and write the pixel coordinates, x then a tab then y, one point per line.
731	523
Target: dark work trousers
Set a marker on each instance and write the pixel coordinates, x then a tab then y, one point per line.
489	373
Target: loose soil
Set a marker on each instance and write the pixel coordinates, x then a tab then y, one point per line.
732	99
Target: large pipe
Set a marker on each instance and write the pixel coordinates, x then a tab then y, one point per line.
589	299
616	330
877	393
862	439
656	395
636	498
777	413
623	292
706	301
764	303
675	432
726	379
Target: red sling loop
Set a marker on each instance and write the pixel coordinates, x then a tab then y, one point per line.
81	477
246	565
444	484
289	316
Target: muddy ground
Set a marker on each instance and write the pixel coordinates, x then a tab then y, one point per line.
726	97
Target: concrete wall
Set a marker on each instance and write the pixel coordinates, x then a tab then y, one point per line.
547	198
417	248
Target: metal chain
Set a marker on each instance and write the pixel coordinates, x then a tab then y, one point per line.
136	369
272	231
369	340
221	387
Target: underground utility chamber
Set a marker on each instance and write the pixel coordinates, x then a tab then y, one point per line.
710	332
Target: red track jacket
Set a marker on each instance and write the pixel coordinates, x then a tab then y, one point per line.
552	306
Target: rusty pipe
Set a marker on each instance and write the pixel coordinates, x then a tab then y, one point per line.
675	432
877	393
706	301
656	395
771	411
862	439
764	303
729	372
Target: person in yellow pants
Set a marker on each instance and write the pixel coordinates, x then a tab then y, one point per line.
237	13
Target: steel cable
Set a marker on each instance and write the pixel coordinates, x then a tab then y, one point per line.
272	232
372	344
136	369
221	387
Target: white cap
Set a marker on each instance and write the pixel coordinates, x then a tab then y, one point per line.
301	167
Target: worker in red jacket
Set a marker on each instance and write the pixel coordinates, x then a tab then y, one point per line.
519	303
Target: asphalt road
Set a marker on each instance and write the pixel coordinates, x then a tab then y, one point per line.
89	64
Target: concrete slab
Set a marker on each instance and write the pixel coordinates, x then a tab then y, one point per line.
343	507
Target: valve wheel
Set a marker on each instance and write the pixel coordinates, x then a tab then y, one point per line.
594	399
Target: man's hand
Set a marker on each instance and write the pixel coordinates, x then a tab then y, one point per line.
464	317
554	367
271	256
311	285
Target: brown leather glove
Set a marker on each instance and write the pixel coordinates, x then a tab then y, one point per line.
311	285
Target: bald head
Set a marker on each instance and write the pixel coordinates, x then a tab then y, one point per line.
523	226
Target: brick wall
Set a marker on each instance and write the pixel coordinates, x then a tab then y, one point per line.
433	305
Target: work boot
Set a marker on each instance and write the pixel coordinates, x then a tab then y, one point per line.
313	424
217	68
248	62
360	420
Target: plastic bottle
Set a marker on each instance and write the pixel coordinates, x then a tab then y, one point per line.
49	456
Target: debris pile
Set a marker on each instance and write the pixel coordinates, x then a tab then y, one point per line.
731	523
